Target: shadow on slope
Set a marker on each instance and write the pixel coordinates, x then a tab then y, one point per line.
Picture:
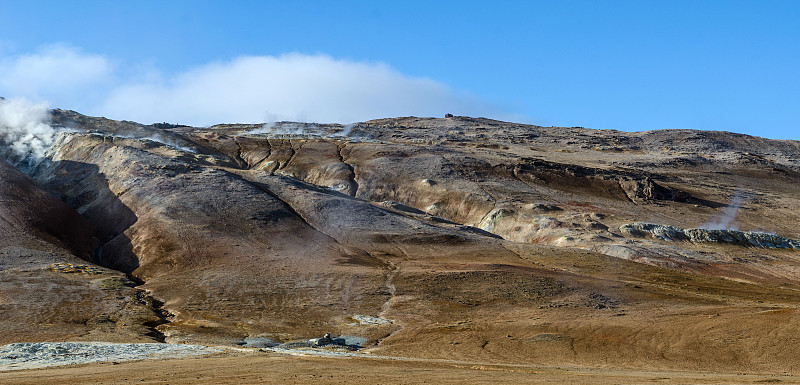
83	187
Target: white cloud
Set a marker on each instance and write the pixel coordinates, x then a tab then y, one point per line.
56	73
288	87
249	89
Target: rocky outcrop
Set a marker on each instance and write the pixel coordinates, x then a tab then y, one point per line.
731	237
645	189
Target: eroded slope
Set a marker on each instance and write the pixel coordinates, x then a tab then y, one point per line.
460	238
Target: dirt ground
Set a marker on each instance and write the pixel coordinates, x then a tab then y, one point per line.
244	368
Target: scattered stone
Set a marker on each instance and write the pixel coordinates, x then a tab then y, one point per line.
369	320
597	226
544	207
428	182
73	268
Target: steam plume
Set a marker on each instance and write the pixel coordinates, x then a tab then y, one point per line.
273	128
727	216
25	131
346	130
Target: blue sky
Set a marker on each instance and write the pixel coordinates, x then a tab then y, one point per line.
627	65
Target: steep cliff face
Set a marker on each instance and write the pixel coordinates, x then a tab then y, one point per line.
462	237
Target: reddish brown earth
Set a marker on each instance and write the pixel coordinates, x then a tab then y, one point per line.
485	242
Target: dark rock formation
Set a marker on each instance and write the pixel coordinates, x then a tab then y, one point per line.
731	237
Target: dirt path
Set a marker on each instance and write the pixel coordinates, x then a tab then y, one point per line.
262	368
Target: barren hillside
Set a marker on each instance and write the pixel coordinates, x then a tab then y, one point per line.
457	238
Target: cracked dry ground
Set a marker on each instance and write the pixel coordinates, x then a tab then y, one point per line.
484	242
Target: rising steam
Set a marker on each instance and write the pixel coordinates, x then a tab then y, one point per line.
273	128
302	129
727	216
347	129
25	131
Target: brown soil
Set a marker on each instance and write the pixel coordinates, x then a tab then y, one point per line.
264	369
